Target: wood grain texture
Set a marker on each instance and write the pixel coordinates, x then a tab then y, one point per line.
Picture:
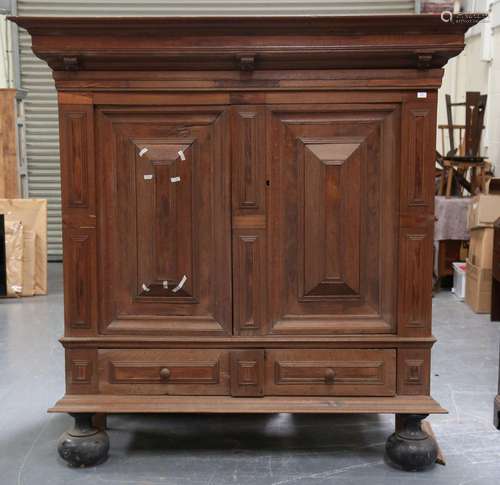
235	341
331	193
9	182
247	373
415	281
413	371
298	217
219	404
248	148
249	282
76	132
351	372
393	41
174	231
80	285
81	371
176	372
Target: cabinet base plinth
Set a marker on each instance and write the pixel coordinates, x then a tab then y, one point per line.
107	403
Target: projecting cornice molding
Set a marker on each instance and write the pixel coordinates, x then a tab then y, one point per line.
246	43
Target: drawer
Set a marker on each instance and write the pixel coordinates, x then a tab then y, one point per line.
353	372
175	372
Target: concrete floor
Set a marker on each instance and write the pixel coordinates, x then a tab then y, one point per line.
262	450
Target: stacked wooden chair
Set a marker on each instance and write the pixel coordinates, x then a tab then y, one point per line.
462	166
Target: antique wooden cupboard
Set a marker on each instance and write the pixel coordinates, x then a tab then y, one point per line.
248	216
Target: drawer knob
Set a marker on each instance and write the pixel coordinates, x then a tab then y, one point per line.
165	373
329	376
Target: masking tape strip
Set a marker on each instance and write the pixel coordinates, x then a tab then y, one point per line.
175	179
180	285
181	154
148	176
165	284
145	288
143	151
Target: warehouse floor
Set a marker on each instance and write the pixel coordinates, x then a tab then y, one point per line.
275	449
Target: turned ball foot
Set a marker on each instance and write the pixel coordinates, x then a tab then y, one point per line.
410	448
83	445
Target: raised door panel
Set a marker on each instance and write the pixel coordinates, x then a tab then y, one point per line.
165	237
332	214
248	169
76	128
248	148
165	228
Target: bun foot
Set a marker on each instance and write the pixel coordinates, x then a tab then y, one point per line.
410	448
83	445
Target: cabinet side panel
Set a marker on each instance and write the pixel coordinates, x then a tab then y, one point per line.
79	280
76	132
416	216
76	128
415	273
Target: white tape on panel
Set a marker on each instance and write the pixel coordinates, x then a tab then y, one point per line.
180	285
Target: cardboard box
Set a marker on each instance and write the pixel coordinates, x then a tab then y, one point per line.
484	211
33	215
481	247
478	288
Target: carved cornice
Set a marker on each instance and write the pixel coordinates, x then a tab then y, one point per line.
248	43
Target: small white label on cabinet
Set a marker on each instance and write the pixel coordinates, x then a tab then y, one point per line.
148	177
422	94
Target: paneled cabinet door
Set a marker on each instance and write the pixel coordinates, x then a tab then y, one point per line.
332	213
164	220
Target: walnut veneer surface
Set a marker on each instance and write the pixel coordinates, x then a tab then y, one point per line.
247	210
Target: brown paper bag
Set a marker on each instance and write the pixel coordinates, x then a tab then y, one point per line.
33	215
14	257
29	254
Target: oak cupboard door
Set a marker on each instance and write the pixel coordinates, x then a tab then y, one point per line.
332	218
164	212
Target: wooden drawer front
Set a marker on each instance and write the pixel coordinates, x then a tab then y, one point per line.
331	372
164	372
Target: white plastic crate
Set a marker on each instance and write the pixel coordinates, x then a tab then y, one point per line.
459	270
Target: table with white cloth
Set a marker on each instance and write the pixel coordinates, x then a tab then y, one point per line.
450	230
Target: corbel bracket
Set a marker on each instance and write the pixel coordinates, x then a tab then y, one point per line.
247	63
71	63
424	60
